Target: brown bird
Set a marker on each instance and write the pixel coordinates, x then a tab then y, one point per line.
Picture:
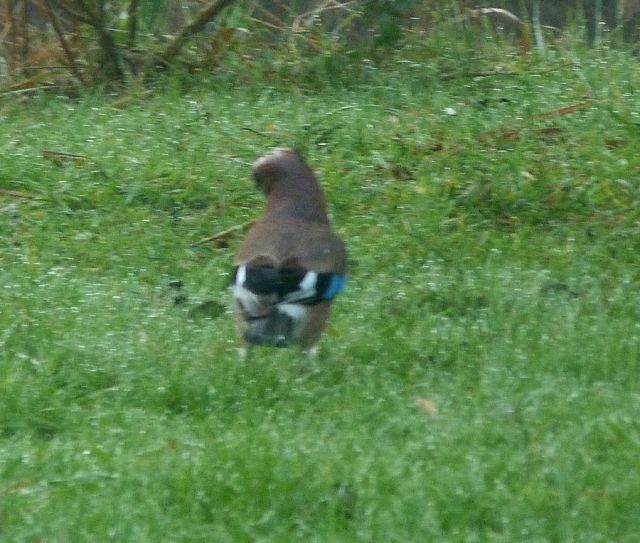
291	264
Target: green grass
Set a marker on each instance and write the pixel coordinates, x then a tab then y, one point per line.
495	276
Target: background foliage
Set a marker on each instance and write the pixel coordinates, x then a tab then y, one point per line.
73	43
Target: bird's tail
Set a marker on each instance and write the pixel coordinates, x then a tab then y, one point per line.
275	329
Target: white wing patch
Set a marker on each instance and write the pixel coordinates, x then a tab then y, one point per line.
254	305
257	306
295	311
306	288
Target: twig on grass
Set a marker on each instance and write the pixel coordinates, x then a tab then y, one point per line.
224	234
498	73
29	89
329	114
60	157
19	194
567	110
258	133
511	134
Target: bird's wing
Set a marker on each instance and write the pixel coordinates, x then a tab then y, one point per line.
313	246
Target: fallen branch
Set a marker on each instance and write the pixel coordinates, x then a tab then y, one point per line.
59	157
124	101
19	194
498	73
29	89
511	134
224	234
329	114
568	109
268	134
267	24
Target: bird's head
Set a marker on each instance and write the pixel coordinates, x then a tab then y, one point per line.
278	166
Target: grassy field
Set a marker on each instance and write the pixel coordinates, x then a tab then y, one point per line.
480	378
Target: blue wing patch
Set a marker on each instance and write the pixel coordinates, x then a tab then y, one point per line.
334	287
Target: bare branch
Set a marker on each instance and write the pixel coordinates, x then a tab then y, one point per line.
7	24
205	16
11	32
75	15
304	19
132	14
96	18
63	42
25	31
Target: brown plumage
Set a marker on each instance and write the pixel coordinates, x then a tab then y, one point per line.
291	263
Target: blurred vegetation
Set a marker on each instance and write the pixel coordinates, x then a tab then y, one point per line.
71	44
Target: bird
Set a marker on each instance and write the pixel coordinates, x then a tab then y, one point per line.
291	264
